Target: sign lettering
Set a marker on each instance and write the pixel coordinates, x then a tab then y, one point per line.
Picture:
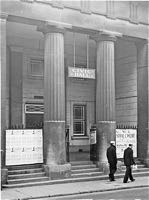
81	73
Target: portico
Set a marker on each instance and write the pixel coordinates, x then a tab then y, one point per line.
40	50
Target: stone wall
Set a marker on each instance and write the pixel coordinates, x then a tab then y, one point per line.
126	83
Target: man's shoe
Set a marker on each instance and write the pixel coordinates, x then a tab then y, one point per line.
124	181
132	180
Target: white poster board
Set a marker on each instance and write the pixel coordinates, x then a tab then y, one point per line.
24	146
124	137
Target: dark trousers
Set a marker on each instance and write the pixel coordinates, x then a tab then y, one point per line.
128	174
113	169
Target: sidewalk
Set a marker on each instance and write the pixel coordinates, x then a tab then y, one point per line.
70	188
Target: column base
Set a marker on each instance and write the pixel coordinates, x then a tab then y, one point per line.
54	171
4	175
104	167
54	142
105	133
146	161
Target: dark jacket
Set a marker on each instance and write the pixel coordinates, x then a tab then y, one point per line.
111	155
128	157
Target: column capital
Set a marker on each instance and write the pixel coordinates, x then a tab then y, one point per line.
53	27
105	35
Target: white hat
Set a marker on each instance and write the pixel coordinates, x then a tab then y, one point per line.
112	142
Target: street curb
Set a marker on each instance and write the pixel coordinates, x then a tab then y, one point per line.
84	192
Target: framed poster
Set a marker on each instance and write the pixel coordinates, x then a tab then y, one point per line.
124	137
24	146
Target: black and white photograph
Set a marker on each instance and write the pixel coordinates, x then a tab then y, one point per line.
74	99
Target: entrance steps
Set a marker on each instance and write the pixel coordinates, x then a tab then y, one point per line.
25	174
33	175
84	169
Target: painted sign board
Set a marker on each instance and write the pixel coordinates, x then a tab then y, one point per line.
24	146
124	137
76	72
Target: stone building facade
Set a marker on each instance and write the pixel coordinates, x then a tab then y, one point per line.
41	39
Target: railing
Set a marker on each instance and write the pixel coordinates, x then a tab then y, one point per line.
22	126
125	126
67	143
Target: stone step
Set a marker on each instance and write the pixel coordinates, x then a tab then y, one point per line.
22	167
139	170
76	171
83	166
73	163
138	161
86	174
24	176
138	166
70	180
27	180
25	171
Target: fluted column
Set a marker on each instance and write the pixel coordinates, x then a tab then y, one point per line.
54	101
105	94
105	85
143	99
3	20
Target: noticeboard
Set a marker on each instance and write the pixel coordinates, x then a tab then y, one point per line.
24	146
93	136
124	137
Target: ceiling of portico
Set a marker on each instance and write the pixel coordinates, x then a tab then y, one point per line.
22	30
29	32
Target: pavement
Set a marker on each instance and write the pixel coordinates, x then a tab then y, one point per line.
65	189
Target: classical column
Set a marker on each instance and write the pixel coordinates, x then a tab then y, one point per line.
54	102
105	94
3	19
143	99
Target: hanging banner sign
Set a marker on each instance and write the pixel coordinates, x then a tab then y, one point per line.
24	146
76	72
124	137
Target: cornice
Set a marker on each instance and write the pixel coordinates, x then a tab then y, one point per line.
109	13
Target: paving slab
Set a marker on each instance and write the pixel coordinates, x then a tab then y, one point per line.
65	189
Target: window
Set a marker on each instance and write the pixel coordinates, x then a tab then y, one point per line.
34	115
36	67
79	120
81	65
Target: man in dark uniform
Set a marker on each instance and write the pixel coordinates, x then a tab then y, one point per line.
112	160
128	161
